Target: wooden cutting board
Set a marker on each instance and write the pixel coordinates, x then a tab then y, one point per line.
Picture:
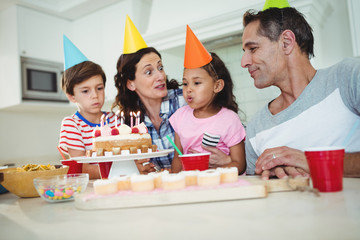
280	185
126	199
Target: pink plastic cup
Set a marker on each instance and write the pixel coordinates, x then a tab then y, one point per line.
105	169
196	161
326	166
74	166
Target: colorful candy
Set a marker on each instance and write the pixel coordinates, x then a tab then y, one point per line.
59	193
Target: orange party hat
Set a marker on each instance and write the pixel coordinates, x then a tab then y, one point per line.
133	41
276	4
196	54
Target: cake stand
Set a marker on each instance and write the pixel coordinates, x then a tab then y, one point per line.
115	165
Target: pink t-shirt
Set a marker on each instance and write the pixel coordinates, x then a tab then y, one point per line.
225	123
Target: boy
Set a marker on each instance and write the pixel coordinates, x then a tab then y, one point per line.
83	83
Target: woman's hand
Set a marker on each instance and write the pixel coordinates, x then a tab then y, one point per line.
281	162
145	166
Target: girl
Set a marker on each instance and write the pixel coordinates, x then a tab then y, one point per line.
211	109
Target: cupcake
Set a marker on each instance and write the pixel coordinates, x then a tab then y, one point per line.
157	177
228	175
208	178
141	183
123	183
190	177
173	181
105	186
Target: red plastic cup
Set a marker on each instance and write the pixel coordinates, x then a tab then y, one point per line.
74	166
105	169
326	166
196	161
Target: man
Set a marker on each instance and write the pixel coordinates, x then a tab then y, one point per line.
315	107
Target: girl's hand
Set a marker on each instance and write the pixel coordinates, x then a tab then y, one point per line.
217	157
144	166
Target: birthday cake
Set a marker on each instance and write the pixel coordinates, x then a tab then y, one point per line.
122	139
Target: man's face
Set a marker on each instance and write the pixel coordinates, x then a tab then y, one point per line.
261	56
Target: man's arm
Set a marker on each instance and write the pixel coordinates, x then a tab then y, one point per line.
352	165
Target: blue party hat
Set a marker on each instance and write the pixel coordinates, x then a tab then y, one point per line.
72	54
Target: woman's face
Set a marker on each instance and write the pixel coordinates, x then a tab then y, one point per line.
150	78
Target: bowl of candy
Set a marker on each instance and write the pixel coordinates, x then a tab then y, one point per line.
61	188
19	180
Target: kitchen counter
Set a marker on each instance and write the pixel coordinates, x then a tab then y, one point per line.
281	215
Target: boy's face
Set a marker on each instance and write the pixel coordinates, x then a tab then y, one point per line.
89	95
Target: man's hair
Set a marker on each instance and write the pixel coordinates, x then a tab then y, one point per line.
79	73
274	21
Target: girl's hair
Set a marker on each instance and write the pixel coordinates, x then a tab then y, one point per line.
79	73
128	101
217	70
274	21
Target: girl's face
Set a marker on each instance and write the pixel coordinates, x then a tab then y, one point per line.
150	78
199	88
89	95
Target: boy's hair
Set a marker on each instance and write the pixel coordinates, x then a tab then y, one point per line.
79	73
129	101
274	21
217	70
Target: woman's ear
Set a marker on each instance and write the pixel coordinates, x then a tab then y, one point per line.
130	85
288	41
219	86
71	98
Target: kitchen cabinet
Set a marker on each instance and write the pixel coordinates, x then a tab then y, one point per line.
40	35
25	32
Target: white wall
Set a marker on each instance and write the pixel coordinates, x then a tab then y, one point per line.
31	136
336	36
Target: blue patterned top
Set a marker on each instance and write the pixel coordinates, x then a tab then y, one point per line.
169	105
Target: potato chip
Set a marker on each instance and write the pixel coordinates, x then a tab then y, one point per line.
35	167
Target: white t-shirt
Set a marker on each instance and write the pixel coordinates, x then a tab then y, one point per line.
323	115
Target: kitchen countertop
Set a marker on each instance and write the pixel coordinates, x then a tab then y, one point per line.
281	215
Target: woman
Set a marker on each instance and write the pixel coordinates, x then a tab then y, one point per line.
143	86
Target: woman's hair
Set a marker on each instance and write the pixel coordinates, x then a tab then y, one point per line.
79	73
274	21
217	70
128	101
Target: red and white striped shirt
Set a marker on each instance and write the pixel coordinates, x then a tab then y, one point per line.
76	132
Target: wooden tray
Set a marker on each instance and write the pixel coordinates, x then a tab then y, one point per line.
280	185
127	199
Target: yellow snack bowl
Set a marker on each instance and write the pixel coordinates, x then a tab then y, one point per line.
21	183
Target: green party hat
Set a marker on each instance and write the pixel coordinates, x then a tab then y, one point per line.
276	4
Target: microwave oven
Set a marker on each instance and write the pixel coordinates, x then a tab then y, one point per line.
41	80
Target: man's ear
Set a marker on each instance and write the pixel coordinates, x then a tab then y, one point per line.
219	86
71	98
288	41
130	85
